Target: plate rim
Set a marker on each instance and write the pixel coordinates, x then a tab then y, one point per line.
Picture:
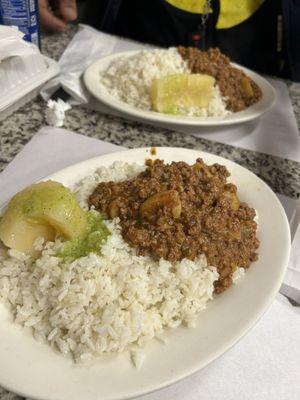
155	117
254	319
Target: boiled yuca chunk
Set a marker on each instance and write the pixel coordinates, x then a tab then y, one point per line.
42	210
185	91
20	234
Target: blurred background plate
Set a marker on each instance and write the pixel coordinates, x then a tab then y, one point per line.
91	79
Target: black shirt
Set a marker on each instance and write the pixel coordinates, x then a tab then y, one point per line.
250	36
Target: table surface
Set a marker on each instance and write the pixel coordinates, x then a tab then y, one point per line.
15	131
282	175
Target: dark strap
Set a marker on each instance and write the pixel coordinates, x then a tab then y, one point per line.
102	14
291	20
110	15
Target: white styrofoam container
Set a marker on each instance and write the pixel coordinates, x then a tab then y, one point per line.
21	79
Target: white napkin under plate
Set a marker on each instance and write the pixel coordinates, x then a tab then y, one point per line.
264	365
275	133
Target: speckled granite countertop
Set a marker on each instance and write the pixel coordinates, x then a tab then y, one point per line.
281	174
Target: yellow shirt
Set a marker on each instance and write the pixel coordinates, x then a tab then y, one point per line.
232	12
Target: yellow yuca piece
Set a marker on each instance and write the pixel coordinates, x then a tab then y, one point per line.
20	234
181	91
41	210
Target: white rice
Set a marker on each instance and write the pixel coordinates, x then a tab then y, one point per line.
118	171
129	79
102	304
238	274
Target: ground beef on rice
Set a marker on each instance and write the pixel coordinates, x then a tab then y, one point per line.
238	90
179	211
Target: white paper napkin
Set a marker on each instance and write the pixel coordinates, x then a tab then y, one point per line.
50	150
86	46
22	69
12	43
264	365
275	133
291	285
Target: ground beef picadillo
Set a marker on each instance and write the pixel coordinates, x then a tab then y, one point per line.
178	211
239	90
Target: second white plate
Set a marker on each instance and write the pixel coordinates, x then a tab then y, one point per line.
91	79
35	371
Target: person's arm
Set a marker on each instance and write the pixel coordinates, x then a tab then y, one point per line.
55	18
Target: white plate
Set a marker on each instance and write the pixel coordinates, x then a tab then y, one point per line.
91	79
35	371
